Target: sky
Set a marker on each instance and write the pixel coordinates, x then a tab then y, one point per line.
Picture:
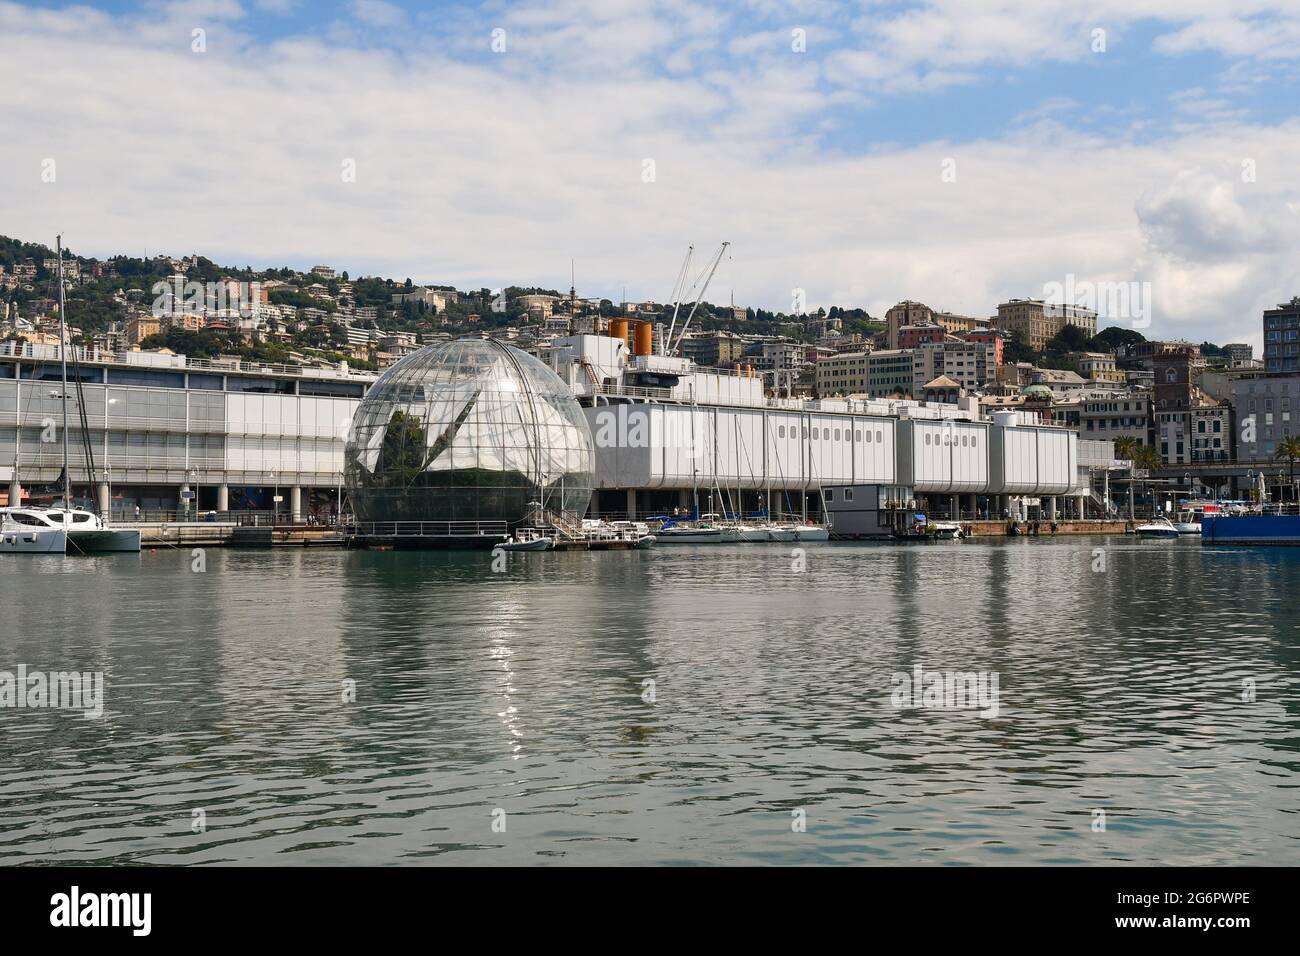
955	152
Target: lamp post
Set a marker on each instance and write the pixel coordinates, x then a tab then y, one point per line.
194	480
275	499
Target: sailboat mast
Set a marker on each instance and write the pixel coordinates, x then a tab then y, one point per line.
63	354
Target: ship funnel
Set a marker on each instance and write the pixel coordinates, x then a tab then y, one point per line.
644	344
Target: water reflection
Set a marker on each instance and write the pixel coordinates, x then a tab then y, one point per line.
526	693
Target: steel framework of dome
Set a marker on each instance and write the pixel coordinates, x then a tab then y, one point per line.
469	430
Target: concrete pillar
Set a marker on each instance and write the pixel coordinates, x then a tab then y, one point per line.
103	498
295	503
631	504
954	506
1051	508
223	497
15	492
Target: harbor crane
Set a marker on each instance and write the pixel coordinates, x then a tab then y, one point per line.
702	282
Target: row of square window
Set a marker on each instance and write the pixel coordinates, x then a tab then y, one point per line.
951	440
825	433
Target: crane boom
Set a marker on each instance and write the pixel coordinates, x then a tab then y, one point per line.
712	268
679	288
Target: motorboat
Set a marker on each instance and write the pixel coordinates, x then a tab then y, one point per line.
947	531
1157	527
1188	520
645	541
29	531
526	543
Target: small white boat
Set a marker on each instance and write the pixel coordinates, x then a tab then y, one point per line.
645	541
1158	527
28	531
811	532
1189	518
947	531
525	544
701	534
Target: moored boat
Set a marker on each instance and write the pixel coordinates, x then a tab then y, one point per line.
89	534
683	534
28	531
946	530
1251	529
1157	527
526	544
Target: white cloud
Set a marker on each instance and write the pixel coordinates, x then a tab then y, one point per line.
492	170
378	13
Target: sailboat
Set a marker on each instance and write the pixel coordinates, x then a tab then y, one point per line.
85	531
30	531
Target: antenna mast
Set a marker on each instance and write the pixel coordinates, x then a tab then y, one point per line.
63	354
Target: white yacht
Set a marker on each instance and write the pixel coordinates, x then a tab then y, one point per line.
782	533
811	532
29	531
698	534
88	534
1157	527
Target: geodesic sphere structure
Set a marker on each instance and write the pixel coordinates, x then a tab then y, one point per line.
468	430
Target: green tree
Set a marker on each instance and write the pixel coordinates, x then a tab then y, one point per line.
1289	448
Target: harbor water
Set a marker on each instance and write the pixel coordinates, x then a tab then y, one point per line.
682	705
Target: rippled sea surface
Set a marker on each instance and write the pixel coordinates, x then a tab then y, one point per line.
505	718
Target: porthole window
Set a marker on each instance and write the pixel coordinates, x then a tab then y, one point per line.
927	438
878	436
963	441
780	431
868	434
972	441
857	435
837	434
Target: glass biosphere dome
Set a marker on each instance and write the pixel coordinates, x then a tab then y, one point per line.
470	430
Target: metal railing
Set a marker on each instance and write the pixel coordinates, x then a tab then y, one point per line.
428	529
95	355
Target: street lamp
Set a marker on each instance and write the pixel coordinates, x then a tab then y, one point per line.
194	479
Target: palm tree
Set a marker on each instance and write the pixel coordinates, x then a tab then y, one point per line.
1289	448
1144	456
1125	447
